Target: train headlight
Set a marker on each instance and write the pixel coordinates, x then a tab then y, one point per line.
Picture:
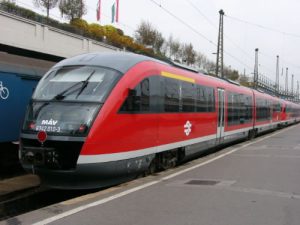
31	125
82	128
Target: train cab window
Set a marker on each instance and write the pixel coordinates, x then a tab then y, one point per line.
145	95
171	97
138	99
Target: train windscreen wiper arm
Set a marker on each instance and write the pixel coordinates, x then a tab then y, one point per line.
85	83
62	95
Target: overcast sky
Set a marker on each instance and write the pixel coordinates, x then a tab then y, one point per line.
270	25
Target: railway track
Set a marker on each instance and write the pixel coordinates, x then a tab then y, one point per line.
34	198
9	161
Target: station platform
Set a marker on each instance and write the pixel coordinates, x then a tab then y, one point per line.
254	182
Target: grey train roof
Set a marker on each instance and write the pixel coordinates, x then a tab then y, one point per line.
120	61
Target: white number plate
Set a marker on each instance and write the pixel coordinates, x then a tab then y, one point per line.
48	128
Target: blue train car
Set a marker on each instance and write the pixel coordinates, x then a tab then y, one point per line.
18	78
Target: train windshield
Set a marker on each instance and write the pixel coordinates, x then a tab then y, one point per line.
77	83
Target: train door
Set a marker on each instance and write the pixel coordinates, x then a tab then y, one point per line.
221	115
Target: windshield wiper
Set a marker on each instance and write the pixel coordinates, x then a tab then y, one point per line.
63	94
85	83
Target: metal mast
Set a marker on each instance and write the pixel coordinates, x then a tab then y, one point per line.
297	90
255	80
219	63
277	76
292	89
286	81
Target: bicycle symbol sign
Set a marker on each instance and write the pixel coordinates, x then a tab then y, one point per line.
4	93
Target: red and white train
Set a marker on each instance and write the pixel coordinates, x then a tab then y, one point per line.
100	119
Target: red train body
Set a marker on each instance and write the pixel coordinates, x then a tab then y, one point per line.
109	117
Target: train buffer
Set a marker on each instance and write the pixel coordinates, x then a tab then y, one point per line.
253	182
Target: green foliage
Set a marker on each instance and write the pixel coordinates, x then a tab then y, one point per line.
72	9
189	54
96	31
110	30
47	4
19	11
147	35
80	24
231	74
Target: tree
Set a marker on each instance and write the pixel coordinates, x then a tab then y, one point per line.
188	54
244	80
47	4
173	48
72	9
231	74
147	35
158	42
210	68
200	60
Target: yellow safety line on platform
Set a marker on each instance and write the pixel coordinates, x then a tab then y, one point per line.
177	77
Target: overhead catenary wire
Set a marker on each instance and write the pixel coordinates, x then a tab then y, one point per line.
263	27
183	22
216	27
270	30
196	31
253	24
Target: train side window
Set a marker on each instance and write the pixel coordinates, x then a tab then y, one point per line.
205	99
201	101
211	99
249	108
229	108
263	109
239	108
188	97
236	104
171	95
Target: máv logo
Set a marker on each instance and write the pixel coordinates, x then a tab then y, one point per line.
49	122
187	128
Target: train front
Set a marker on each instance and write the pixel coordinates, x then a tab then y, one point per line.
58	119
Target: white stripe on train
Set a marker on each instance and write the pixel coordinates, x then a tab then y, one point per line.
102	158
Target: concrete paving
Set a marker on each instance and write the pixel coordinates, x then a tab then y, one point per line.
255	182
